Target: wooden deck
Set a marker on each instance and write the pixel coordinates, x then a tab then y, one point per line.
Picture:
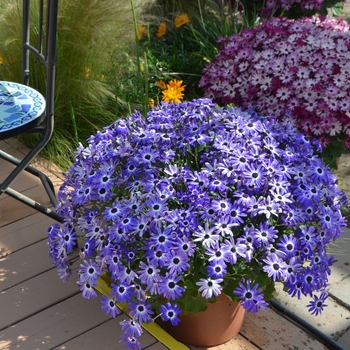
38	311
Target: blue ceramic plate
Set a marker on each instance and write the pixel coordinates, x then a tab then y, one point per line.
19	105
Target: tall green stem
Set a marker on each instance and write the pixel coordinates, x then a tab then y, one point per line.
138	62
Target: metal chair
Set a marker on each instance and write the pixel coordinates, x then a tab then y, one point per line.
25	110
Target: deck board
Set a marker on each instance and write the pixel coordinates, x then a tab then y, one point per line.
32	296
99	338
22	233
24	264
39	311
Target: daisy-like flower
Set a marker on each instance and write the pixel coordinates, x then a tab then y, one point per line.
206	235
317	305
161	30
173	92
170	312
251	297
176	262
109	306
275	267
141	311
148	273
89	271
122	292
87	289
131	327
209	287
181	20
170	288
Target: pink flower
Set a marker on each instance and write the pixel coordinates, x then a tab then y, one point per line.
288	67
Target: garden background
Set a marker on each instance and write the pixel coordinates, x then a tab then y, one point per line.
113	59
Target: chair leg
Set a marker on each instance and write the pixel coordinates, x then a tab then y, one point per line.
46	182
30	202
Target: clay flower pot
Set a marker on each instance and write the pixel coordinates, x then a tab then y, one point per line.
219	323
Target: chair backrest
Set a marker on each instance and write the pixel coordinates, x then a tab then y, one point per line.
40	17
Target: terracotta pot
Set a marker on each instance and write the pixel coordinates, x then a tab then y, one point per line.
219	323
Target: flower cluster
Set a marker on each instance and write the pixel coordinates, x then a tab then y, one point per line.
192	201
305	5
290	8
289	68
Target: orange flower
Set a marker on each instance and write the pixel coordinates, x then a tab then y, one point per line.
177	84
161	30
161	84
181	20
174	92
141	31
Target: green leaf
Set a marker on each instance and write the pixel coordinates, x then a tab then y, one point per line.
337	9
193	303
269	290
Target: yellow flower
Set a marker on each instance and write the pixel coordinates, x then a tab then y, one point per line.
181	20
174	92
150	102
161	30
161	84
177	83
141	31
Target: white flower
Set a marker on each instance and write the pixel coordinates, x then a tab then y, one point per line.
335	128
208	287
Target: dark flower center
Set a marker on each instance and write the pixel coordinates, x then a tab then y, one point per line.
276	267
248	295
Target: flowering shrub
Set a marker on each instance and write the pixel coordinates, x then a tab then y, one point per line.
290	8
289	68
192	201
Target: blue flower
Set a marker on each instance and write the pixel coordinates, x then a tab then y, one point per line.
141	311
170	288
109	306
318	303
252	297
170	312
195	199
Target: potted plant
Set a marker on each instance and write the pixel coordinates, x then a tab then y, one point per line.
292	69
192	202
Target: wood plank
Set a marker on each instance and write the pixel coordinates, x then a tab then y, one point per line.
24	264
22	233
270	331
56	325
236	343
158	346
106	336
34	295
12	210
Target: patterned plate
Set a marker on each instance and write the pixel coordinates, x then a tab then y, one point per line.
19	105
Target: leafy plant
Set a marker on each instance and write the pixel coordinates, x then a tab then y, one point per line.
191	201
293	69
